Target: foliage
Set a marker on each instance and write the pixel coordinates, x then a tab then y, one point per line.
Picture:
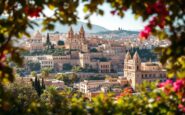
96	78
145	54
60	42
76	69
20	96
33	66
93	50
89	68
67	66
38	86
45	72
20	71
68	79
33	74
55	52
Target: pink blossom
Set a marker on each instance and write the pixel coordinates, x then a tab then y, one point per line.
162	22
158	98
178	85
153	22
169	81
181	107
183	99
147	29
149	10
143	34
166	83
159	6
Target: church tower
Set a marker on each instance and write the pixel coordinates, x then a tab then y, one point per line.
132	67
127	57
70	33
82	33
126	64
137	61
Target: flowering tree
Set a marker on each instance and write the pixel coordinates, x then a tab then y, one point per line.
166	21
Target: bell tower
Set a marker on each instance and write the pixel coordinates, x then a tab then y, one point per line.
137	61
82	32
70	33
132	67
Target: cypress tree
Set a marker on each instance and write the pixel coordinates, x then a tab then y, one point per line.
38	87
43	84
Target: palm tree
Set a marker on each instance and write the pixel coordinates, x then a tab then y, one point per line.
45	72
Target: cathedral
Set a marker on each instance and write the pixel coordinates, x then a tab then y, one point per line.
136	71
76	41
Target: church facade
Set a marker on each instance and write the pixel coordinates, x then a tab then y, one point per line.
136	71
76	41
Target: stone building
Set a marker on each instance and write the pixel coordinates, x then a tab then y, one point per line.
136	71
76	41
35	43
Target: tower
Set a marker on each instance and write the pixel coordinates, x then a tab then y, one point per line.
48	43
127	57
126	64
82	33
70	33
132	67
137	61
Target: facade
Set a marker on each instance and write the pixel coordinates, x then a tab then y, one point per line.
136	71
84	59
88	85
76	41
104	67
35	43
94	86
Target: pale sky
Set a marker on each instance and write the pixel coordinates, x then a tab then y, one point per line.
111	22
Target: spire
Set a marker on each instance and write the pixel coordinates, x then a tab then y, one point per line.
71	29
136	56
70	32
48	39
81	29
48	43
82	32
128	56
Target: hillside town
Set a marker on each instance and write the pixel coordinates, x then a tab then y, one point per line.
96	65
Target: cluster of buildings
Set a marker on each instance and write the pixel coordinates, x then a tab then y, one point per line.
135	73
78	51
150	43
105	56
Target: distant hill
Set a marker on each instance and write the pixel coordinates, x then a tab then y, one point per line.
118	33
122	32
64	28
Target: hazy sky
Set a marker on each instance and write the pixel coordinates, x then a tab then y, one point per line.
111	22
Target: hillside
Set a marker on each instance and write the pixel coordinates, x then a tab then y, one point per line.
64	28
116	34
